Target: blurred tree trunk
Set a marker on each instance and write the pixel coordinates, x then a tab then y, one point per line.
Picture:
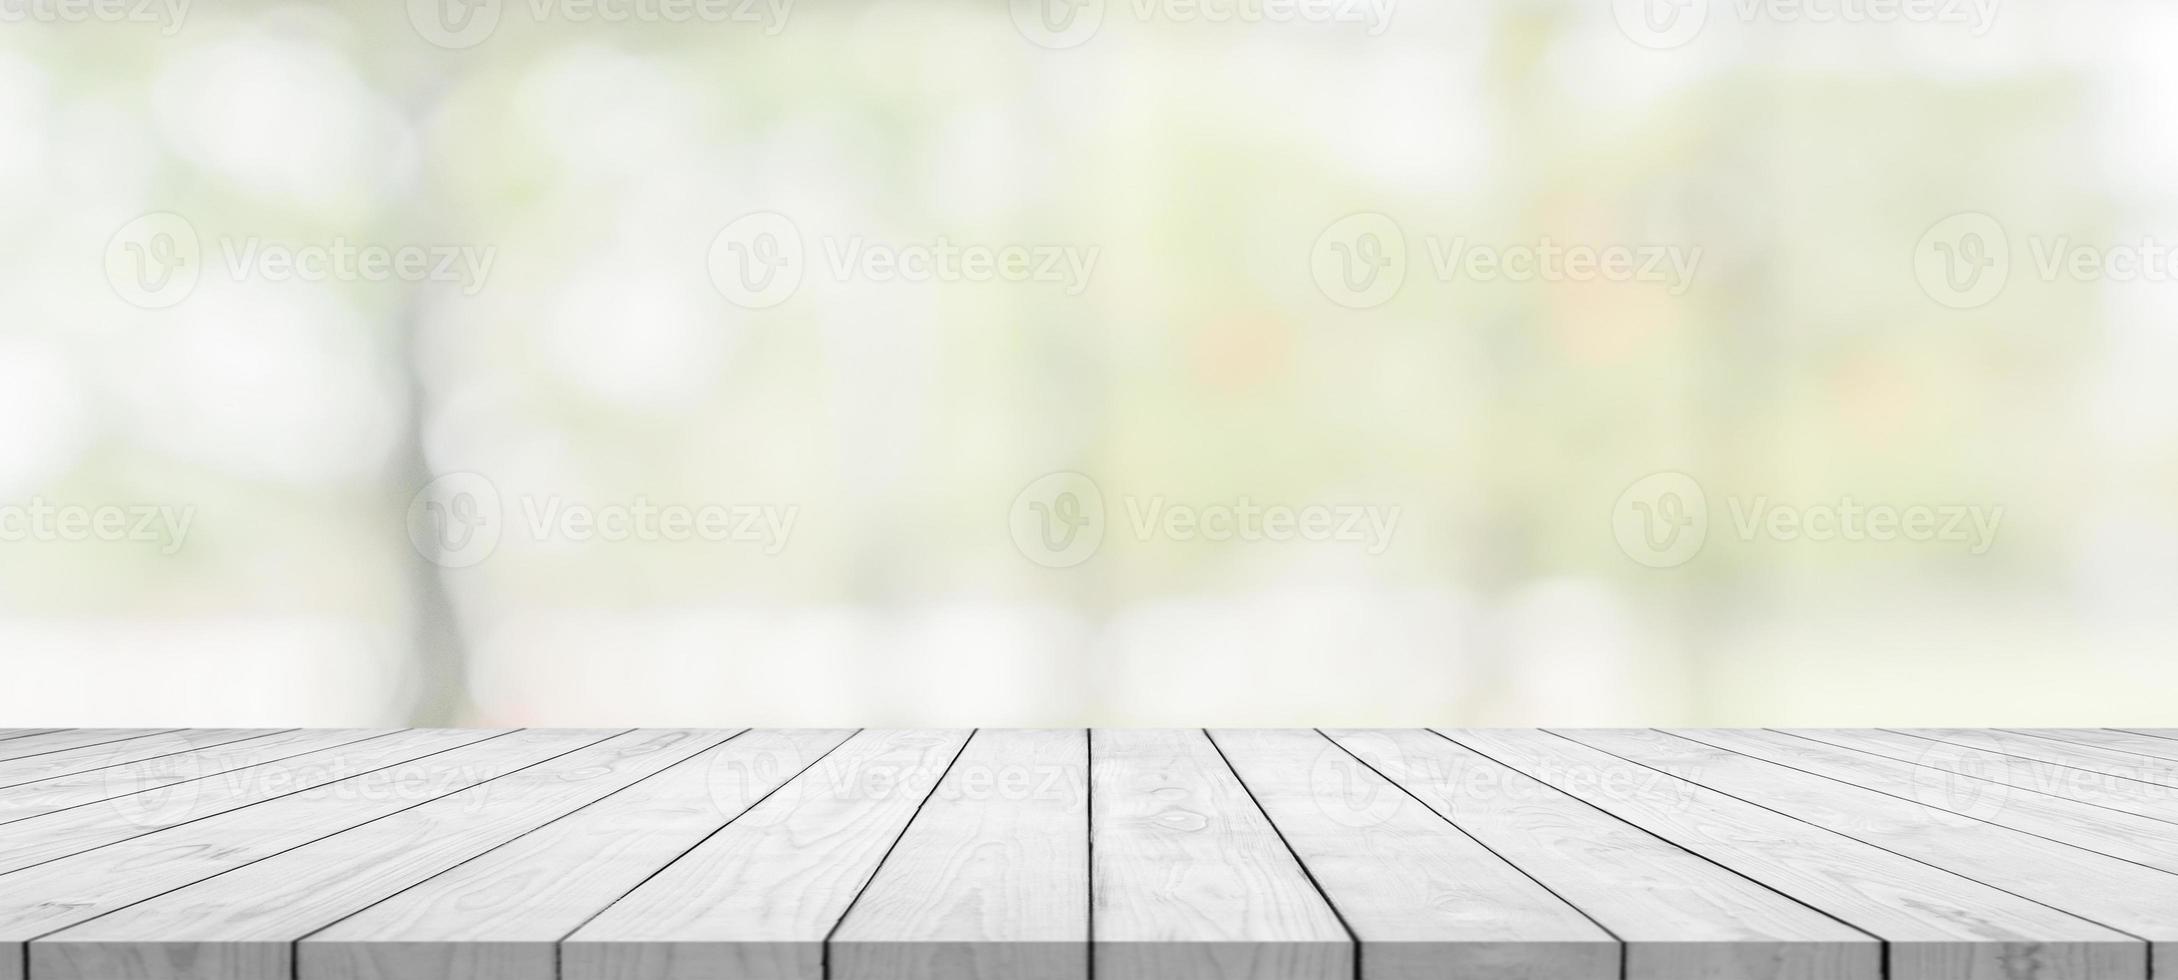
438	695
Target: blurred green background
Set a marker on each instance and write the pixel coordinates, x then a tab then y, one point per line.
1501	424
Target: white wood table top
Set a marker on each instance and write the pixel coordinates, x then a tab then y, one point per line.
1126	854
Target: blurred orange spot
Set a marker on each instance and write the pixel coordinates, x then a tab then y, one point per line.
1242	351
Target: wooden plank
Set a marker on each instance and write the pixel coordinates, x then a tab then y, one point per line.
2155	743
2140	840
1424	900
65	832
1960	770
20	755
2079	755
1189	878
1065	855
502	915
758	898
2123	896
66	792
55	895
243	925
14	733
1681	917
1939	926
991	880
92	758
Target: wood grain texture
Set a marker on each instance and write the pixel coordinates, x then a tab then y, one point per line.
1189	879
2160	743
991	880
1680	916
757	899
502	915
242	925
1424	900
21	759
687	854
58	834
2126	836
2118	894
1960	765
2103	759
295	803
155	772
1940	926
92	758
